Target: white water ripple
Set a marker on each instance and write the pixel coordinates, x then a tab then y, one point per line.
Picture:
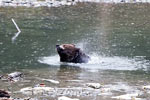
102	62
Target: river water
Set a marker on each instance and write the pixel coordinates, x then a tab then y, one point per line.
115	36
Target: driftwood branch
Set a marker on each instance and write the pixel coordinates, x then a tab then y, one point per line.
19	31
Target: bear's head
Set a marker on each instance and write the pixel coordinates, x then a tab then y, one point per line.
67	52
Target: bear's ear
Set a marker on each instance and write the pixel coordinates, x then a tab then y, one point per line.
73	45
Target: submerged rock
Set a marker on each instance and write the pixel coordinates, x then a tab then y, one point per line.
94	85
66	98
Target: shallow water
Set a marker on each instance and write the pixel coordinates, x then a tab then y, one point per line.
115	36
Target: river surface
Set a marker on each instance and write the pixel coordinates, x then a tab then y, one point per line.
115	36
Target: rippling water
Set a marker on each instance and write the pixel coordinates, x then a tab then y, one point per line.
102	62
115	36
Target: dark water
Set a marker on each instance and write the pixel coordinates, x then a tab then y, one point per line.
116	36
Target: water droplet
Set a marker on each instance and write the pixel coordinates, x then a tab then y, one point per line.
1	43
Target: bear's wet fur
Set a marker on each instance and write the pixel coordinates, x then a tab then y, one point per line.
70	53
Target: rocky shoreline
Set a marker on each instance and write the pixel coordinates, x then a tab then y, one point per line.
56	3
34	3
87	90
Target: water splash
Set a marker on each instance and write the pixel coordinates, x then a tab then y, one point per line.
102	62
51	60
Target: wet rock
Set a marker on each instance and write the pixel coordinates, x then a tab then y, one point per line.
94	85
66	98
53	92
1	76
15	76
127	97
56	3
74	80
35	3
146	87
4	94
105	91
6	99
49	80
36	90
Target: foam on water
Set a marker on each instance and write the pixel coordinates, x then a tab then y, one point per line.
51	60
102	62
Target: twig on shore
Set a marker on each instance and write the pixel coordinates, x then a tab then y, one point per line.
19	31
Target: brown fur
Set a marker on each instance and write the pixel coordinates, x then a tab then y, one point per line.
70	53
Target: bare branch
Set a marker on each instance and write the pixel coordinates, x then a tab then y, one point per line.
19	31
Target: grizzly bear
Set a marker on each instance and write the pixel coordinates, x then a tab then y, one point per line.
69	53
